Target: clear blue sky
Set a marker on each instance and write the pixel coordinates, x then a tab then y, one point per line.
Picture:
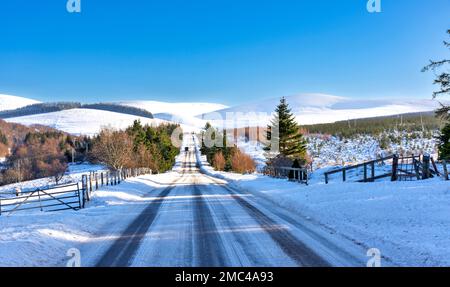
228	51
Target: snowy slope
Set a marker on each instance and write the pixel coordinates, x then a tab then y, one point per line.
322	108
83	121
179	109
8	102
183	113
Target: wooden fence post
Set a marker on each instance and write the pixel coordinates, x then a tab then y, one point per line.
40	202
426	167
85	187
365	172
444	164
79	196
394	168
436	170
372	171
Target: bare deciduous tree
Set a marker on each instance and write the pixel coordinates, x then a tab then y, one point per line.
113	148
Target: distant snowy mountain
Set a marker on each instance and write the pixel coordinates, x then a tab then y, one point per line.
182	113
322	108
8	102
308	108
83	121
178	109
89	121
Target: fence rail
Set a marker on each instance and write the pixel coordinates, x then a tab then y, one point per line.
403	168
446	169
293	174
68	196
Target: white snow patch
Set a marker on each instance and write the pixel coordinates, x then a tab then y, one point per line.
84	121
407	221
8	102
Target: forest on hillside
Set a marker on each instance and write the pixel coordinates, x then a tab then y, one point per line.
415	122
37	152
43	108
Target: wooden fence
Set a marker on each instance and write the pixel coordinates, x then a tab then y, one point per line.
293	174
403	168
446	170
69	196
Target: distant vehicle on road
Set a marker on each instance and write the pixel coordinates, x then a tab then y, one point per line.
186	149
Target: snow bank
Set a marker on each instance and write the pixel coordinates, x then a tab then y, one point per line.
407	221
43	239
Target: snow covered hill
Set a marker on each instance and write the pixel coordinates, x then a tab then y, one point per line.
8	102
179	109
309	108
89	121
183	113
83	121
322	108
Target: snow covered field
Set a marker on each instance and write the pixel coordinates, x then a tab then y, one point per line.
83	121
73	175
43	239
323	108
407	221
329	151
8	102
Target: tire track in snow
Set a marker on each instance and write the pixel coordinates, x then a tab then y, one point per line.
290	245
208	244
121	253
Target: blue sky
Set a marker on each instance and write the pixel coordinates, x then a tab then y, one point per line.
225	51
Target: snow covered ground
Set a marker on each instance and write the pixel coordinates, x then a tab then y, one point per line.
329	151
407	221
73	175
8	102
43	239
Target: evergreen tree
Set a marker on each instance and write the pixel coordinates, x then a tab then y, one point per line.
443	81
290	139
444	143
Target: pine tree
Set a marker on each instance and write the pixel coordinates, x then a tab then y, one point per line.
290	139
444	143
443	81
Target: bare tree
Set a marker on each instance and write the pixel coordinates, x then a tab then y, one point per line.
113	148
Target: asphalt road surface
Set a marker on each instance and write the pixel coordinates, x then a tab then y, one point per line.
199	220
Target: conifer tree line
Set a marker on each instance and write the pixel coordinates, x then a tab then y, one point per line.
137	146
32	154
214	146
442	70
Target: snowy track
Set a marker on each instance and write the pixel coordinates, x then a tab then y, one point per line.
198	220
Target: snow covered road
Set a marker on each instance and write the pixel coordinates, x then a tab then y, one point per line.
198	220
